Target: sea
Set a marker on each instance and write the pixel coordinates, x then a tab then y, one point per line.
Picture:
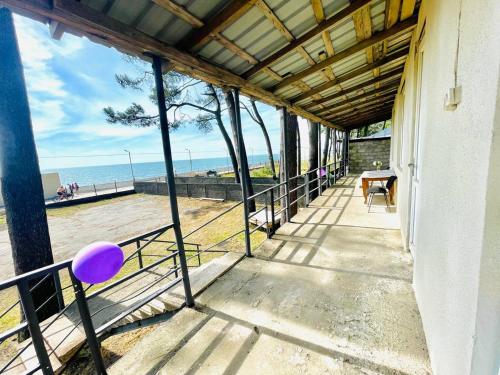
102	174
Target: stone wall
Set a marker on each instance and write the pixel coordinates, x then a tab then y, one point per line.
364	151
201	187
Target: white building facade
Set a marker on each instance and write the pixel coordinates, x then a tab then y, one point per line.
446	153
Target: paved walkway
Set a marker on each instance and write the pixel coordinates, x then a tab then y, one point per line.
329	294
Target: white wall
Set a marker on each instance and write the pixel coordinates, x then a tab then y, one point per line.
50	182
457	217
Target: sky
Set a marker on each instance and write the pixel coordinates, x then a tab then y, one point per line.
69	83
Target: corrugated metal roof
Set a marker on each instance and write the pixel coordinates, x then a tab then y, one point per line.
253	34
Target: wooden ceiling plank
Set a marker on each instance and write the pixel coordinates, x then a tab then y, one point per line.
392	8
324	25
319	13
271	16
385	90
379	37
351	75
220	21
358	109
180	11
272	74
234	48
360	86
372	120
355	105
407	9
363	116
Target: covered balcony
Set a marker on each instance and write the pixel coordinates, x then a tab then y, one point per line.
334	289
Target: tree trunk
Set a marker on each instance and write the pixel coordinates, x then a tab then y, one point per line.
228	95
266	137
326	146
230	148
313	156
222	128
21	181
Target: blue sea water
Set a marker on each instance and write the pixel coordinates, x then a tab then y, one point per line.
121	172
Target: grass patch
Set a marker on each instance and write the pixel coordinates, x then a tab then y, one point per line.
3	220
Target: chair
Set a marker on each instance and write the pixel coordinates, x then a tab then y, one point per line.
381	190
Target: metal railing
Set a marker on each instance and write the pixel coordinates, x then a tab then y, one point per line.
277	199
81	298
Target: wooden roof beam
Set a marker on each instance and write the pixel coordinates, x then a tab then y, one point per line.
365	95
104	29
407	9
180	12
359	105
351	75
369	118
379	37
369	121
324	25
227	16
359	110
392	74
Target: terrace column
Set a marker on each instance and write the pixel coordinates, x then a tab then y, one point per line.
320	186
334	156
172	194
243	169
20	177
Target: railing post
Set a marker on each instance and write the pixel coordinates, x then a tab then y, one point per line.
88	326
328	169
34	327
198	252
139	253
272	210
306	189
243	172
169	166
268	233
116	187
175	267
60	296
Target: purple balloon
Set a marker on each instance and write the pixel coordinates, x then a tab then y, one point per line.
97	262
322	172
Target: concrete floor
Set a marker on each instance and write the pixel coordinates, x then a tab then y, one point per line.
329	294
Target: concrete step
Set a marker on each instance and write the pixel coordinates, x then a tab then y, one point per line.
62	337
148	356
202	277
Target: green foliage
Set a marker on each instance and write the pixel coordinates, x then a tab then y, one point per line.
180	93
368	130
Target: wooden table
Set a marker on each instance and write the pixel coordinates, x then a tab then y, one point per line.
370	176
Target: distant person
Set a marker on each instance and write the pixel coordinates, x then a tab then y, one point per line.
61	192
70	188
75	187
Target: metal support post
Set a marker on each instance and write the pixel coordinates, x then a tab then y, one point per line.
272	210
243	172
306	189
334	156
139	253
284	163
172	193
320	188
346	153
34	327
88	326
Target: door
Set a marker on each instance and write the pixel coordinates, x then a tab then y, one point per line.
415	157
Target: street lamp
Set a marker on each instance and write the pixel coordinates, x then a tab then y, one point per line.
130	161
190	161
